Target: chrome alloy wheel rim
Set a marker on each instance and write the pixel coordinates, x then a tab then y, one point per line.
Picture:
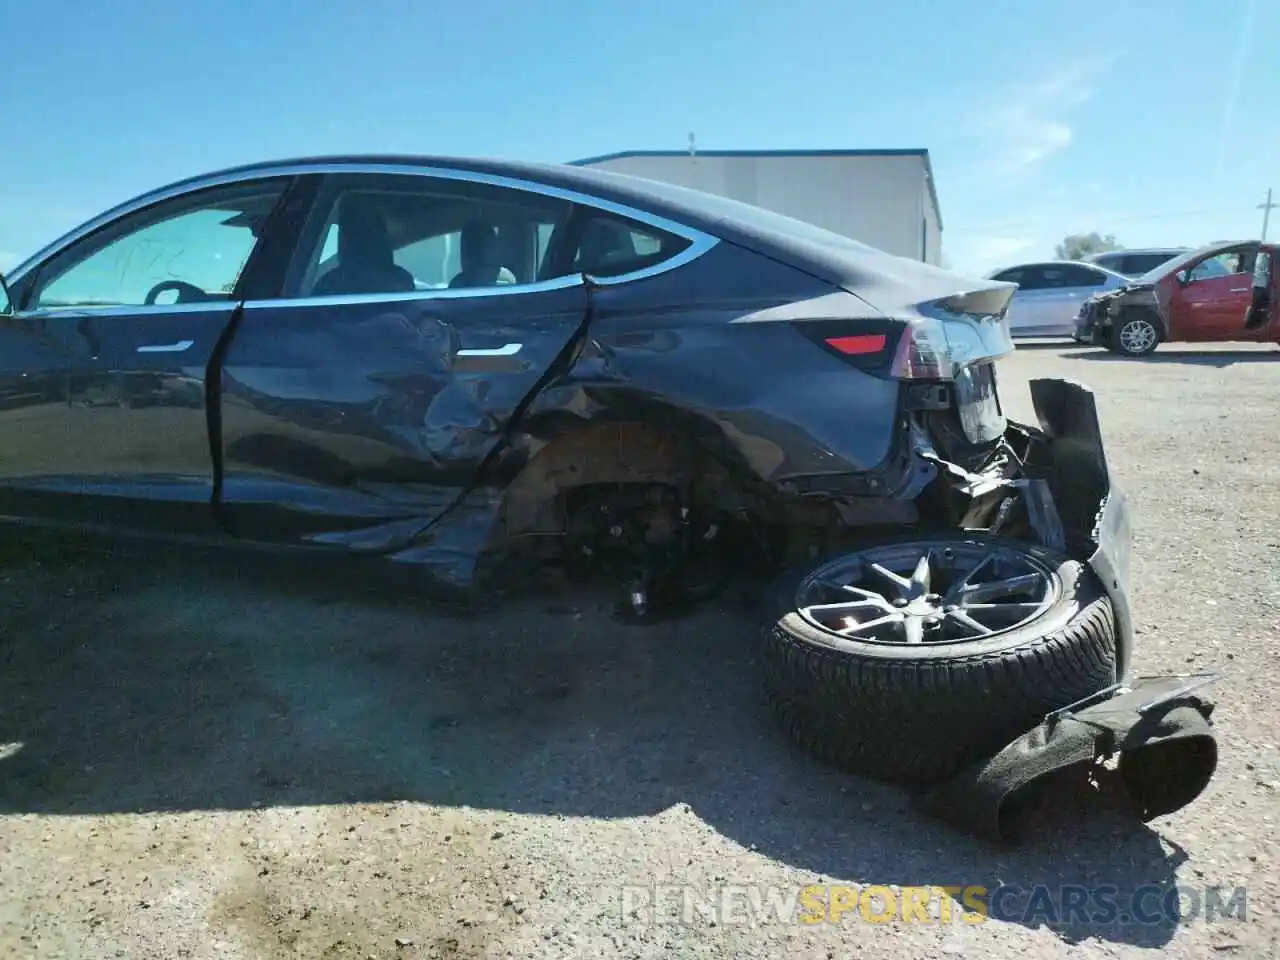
945	591
1137	336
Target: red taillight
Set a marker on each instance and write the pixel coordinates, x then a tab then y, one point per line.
858	345
923	353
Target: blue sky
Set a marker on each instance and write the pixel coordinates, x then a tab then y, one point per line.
1151	119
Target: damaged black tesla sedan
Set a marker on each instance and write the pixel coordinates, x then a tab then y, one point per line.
434	361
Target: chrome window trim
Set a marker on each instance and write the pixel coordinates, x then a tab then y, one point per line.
452	293
700	242
128	309
691	252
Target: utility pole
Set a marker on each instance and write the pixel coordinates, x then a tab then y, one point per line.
1266	209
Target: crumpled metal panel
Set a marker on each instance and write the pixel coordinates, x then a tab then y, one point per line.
767	398
359	424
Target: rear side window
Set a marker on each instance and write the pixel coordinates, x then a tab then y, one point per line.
610	246
391	233
1009	276
1076	276
1057	276
1033	278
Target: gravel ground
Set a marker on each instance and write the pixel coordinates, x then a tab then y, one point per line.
219	761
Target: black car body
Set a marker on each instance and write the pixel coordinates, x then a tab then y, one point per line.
485	341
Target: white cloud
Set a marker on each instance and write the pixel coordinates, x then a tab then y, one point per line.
1028	124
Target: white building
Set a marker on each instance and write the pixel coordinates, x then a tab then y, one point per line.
885	198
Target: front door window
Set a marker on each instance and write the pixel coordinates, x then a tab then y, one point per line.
1223	264
191	249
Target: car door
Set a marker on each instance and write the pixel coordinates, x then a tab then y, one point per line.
1022	305
1065	286
1260	318
1209	298
106	420
1037	305
418	315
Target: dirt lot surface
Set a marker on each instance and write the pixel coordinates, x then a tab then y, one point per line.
214	760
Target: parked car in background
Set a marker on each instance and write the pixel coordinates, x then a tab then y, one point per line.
1049	295
1134	263
1216	293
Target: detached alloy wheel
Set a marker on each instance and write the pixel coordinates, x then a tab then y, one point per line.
1136	336
905	661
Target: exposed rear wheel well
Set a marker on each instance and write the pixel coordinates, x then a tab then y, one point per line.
623	496
623	453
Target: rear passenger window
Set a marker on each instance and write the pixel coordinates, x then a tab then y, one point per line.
611	246
394	234
1033	278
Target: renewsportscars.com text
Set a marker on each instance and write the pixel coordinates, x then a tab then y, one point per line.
814	904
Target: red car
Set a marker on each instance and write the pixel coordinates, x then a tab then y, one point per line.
1218	293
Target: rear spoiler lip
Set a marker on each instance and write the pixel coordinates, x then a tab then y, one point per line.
988	300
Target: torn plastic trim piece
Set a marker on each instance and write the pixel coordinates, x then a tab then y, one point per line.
1086	494
1194	682
1158	727
984	490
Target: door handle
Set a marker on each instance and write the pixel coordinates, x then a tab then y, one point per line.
178	347
507	350
1238	290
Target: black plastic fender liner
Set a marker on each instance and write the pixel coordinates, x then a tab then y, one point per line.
1160	729
1089	501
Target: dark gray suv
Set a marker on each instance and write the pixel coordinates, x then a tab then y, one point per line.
1134	263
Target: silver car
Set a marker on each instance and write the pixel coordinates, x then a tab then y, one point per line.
1050	293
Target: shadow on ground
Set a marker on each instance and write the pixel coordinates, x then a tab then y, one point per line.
1048	343
1202	358
127	688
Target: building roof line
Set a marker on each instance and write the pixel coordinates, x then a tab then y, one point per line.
920	152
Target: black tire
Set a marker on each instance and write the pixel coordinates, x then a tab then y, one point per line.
1133	320
918	714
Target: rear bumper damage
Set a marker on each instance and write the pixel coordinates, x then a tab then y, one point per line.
1092	508
1058	474
1156	732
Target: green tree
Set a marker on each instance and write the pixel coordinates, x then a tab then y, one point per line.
1078	245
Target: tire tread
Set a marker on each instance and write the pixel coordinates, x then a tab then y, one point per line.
920	721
